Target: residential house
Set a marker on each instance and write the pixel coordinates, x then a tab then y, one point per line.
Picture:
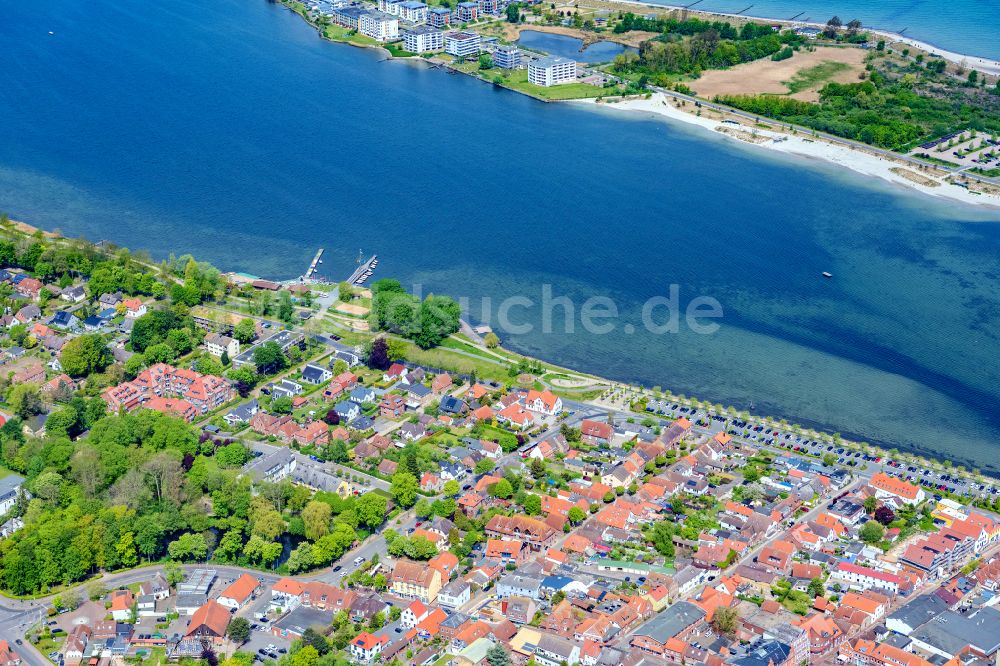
217	345
315	374
412	580
239	592
209	623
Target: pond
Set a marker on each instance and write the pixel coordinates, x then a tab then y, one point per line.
569	47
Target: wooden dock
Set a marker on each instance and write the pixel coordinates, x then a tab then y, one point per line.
363	271
317	260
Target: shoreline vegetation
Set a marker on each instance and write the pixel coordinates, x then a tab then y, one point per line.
783	93
117	490
466	351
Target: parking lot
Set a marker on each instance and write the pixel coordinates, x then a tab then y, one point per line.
847	458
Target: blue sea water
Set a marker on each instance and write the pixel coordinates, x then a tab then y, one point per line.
229	130
970	27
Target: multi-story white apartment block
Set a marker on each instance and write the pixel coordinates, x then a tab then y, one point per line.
423	39
379	26
551	70
462	44
507	56
413	11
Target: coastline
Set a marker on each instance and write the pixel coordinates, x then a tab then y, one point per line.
815	148
981	63
897	172
817	430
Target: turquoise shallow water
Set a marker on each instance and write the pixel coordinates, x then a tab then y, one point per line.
963	26
229	130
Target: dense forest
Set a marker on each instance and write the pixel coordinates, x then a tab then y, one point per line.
145	486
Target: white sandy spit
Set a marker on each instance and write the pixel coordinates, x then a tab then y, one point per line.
856	160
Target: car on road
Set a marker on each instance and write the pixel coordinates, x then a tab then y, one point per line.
359	560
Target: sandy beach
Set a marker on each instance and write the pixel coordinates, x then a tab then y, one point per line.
898	173
985	65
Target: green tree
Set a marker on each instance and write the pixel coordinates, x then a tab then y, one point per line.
25	400
188	546
532	504
485	466
496	655
502	489
451	488
829	459
816	588
871	532
404	489
871	503
268	358
245	331
239	630
576	515
725	620
371	509
316	516
85	355
513	16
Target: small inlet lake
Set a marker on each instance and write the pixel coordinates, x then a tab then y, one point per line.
570	47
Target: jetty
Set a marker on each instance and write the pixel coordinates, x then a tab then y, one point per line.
363	271
317	260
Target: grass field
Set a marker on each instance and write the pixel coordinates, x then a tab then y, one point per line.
339	33
518	80
812	77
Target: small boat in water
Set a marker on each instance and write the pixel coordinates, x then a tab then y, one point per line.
827	275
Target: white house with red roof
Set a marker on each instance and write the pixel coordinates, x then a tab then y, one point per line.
134	308
395	371
414	614
239	592
888	487
365	647
545	402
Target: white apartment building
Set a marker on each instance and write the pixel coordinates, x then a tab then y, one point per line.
379	26
423	39
551	70
462	44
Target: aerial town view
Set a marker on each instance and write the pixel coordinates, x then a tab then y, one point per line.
676	343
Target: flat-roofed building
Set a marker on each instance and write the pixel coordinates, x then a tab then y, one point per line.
507	56
462	44
379	26
423	39
551	71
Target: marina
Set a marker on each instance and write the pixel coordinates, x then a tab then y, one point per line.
317	260
363	271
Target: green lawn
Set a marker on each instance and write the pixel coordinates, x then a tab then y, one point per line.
339	33
4	472
811	77
518	80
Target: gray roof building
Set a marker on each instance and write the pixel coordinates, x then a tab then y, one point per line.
949	633
671	622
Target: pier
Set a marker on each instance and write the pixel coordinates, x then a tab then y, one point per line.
363	271
317	260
